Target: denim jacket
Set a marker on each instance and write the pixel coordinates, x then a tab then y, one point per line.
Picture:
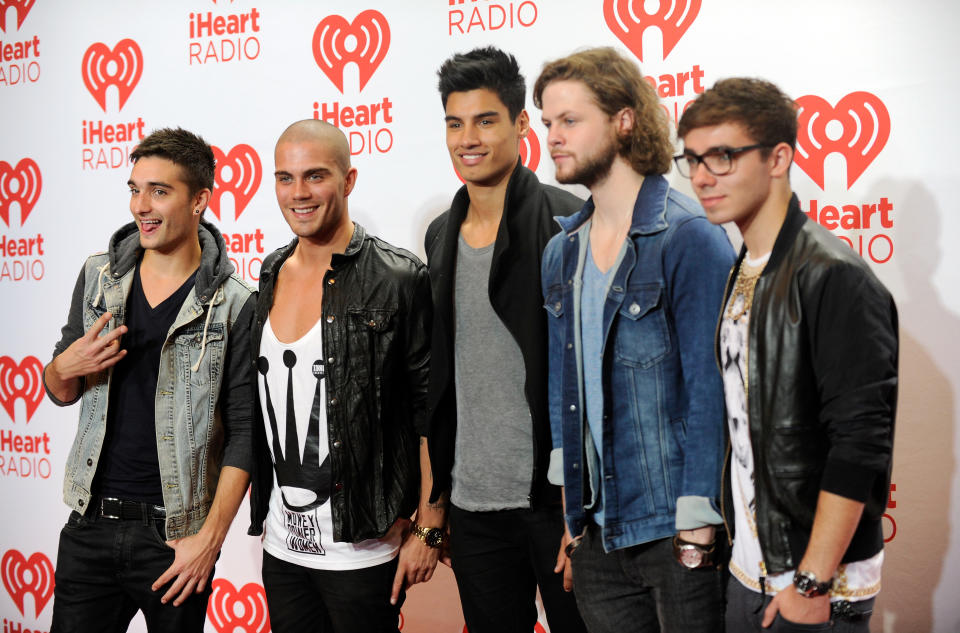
202	405
663	421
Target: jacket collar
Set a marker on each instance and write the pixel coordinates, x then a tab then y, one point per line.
792	223
275	261
649	210
215	266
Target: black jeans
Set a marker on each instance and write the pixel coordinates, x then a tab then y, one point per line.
301	599
745	613
499	560
105	568
643	588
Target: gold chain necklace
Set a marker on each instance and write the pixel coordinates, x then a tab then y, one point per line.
746	283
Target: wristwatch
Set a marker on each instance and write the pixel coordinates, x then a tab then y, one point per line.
433	537
693	555
808	586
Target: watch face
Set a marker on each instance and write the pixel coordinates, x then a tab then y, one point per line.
434	537
691	557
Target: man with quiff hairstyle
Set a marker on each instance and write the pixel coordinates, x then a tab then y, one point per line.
807	344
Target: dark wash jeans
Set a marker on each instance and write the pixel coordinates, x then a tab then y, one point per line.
105	568
745	613
301	599
643	588
499	560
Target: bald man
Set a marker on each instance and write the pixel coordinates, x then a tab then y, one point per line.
342	351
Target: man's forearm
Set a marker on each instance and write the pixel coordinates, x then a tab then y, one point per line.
429	514
834	524
231	489
63	389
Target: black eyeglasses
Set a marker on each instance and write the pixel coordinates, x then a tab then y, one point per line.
718	161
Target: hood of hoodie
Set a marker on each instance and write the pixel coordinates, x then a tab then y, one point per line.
215	266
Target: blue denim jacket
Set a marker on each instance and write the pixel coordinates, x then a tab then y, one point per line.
203	406
663	423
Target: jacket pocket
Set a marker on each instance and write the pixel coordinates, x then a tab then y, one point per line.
370	336
193	346
642	337
553	301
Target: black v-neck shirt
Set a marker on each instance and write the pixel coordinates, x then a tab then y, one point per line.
129	467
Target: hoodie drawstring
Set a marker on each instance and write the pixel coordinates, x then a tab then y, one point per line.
203	341
103	271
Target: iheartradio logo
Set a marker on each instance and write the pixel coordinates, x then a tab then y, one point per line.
857	128
22	8
233	611
365	42
20	184
242	179
23	381
628	19
22	576
120	67
529	152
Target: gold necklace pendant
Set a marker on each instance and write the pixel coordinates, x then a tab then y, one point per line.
746	283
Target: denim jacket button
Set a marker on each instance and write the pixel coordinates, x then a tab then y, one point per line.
634	309
89	462
80	502
338	486
331	281
330	360
333	401
330	319
573	407
569	345
557	306
337	443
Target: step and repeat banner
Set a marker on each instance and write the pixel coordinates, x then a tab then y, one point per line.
82	82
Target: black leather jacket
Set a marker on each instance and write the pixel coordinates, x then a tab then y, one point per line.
514	288
376	312
821	390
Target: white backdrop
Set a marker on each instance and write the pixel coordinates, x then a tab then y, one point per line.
80	82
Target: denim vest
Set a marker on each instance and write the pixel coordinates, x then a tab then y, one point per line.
189	428
663	420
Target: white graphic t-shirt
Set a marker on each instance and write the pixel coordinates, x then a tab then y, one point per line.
854	581
299	526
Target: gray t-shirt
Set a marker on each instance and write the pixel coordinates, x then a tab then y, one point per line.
493	459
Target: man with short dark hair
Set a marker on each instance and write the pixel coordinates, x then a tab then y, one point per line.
807	344
632	285
157	346
341	344
489	429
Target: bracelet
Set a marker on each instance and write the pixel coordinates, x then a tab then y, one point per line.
572	545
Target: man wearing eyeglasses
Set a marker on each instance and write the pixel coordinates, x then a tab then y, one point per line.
632	284
807	344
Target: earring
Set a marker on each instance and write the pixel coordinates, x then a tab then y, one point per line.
196	211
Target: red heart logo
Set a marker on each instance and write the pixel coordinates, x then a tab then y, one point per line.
30	370
28	181
864	127
244	180
97	75
530	151
22	7
232	611
22	576
371	39
628	19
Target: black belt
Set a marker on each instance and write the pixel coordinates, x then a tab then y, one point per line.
122	510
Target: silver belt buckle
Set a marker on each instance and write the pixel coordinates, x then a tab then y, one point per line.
103	511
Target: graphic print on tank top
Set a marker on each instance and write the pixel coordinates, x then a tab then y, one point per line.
304	482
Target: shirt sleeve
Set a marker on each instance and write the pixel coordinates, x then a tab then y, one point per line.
236	405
